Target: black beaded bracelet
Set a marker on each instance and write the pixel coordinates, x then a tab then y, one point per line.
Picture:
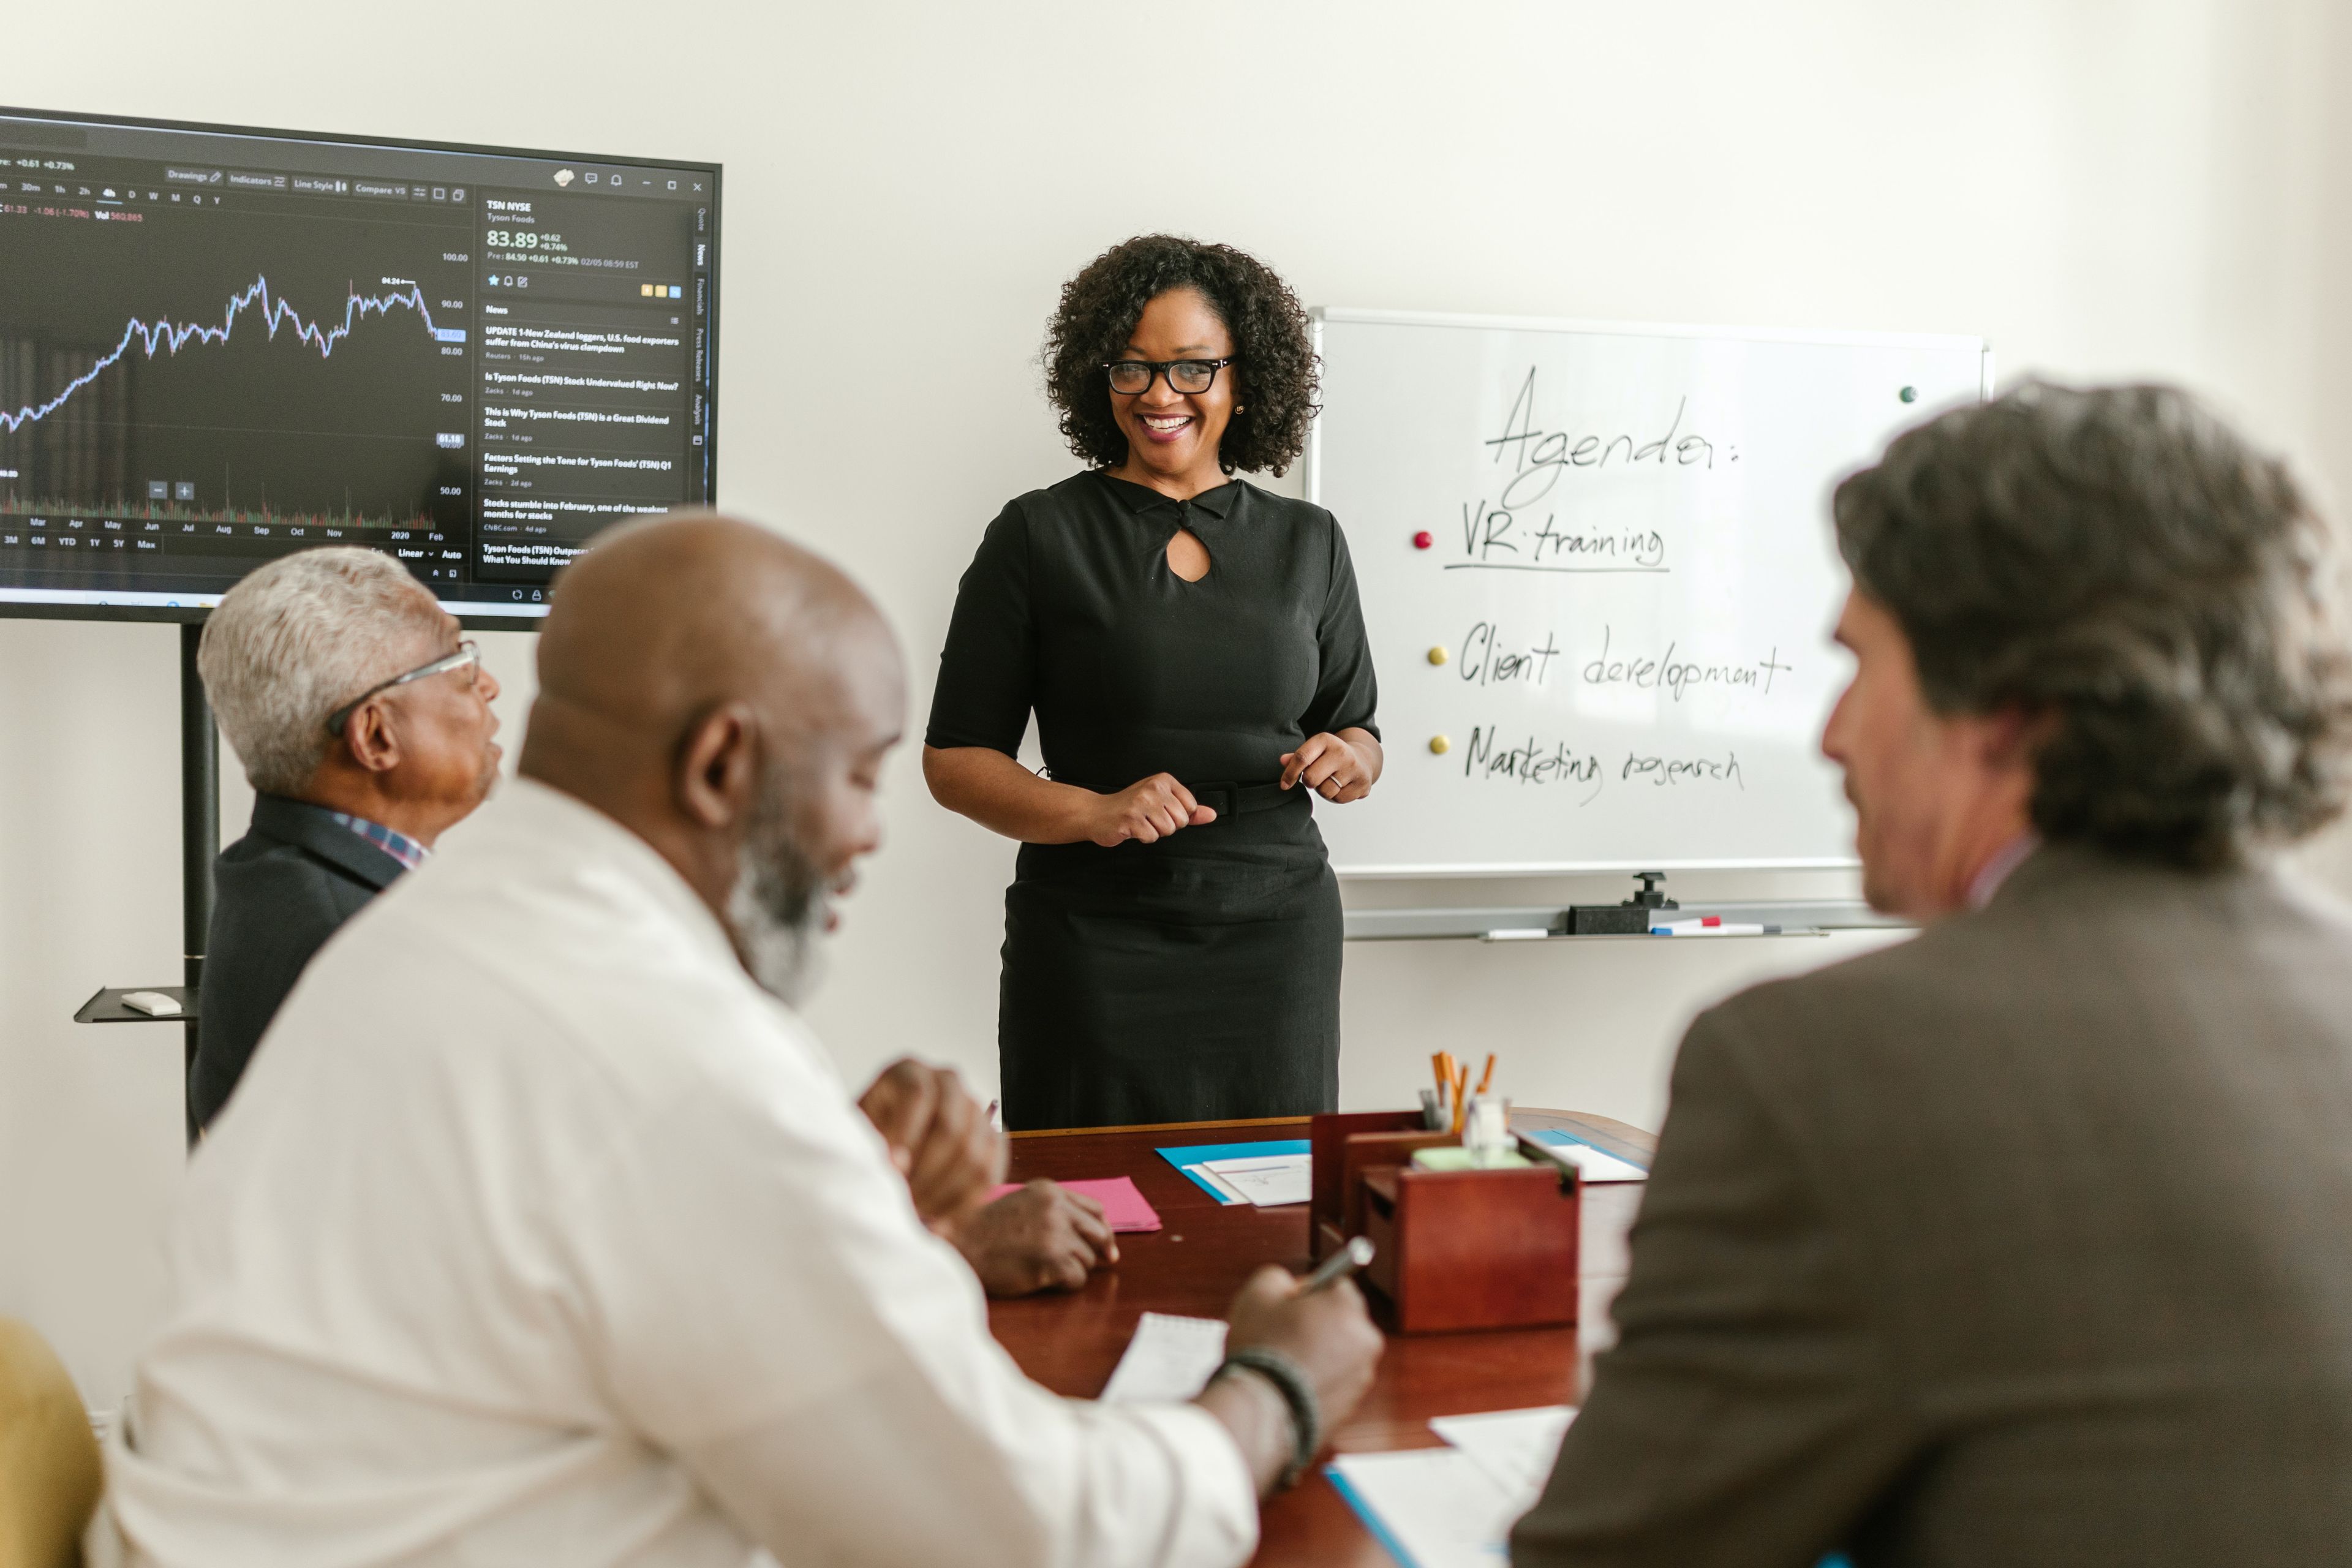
1290	1381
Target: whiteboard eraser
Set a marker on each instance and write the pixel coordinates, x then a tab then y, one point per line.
1608	920
155	1004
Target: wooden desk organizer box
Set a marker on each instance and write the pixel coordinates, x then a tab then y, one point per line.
1455	1249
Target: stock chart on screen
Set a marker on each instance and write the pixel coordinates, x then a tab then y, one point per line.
219	346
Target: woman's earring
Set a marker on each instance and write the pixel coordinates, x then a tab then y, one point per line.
1241	409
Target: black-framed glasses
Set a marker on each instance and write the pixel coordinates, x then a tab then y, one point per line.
1132	376
467	653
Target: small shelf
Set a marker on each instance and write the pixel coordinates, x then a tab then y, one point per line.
106	1006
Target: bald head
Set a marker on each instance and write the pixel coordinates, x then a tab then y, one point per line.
698	675
668	617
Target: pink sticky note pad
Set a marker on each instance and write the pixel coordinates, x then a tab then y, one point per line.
1125	1207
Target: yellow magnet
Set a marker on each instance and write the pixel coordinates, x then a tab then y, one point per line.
1437	656
1439	745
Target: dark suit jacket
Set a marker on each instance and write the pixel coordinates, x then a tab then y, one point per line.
2027	1242
282	890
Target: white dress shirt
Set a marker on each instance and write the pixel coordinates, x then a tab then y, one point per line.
538	1233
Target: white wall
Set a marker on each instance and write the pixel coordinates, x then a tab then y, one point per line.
2136	187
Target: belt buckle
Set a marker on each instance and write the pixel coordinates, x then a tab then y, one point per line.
1223	799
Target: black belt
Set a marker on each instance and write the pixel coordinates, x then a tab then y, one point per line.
1240	799
1225	799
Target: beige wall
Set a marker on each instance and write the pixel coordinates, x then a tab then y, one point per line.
2142	187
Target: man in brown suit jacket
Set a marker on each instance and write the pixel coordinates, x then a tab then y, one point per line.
2029	1241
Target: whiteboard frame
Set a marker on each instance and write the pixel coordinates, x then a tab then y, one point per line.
1312	483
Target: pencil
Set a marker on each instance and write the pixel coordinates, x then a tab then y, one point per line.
1486	1078
1461	1096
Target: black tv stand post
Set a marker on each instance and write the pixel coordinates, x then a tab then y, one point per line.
199	848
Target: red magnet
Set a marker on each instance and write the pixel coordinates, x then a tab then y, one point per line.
1424	540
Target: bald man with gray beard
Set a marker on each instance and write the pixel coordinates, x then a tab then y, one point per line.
575	1248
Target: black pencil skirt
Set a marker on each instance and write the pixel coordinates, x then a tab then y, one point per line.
1192	980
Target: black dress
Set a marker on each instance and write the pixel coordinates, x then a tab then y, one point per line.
1197	978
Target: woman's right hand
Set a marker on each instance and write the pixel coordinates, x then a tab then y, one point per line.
1148	812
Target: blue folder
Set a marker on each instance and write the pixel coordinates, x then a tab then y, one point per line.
1368	1516
1193	1153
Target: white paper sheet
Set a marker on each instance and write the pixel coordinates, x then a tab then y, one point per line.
1516	1447
1169	1358
1218	1185
1454	1507
1434	1507
1267	1181
1595	1166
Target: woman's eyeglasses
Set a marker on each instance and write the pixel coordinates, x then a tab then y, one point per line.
466	655
1130	376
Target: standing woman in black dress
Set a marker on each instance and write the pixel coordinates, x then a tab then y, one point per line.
1194	651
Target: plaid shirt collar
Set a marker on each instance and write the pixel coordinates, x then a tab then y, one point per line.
399	845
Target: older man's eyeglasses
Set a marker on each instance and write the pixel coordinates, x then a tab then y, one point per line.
1130	376
467	656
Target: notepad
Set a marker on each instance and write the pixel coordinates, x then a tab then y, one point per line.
1169	1358
1194	1159
1125	1208
1446	1158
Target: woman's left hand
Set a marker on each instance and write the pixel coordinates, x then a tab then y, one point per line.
1331	766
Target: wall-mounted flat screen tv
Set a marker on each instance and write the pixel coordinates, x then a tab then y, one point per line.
220	345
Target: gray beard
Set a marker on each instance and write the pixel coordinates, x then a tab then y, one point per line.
778	911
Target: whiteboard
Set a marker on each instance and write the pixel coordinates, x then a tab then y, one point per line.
1618	538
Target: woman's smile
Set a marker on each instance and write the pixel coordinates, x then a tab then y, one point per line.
1165	428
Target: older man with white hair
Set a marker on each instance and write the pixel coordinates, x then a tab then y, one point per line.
365	725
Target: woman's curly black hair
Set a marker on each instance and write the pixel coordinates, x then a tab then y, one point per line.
1276	375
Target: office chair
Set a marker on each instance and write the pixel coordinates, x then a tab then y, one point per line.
49	1474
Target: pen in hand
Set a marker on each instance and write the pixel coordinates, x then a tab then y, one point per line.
1346	1260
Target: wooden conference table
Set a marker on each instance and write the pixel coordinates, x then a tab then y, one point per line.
1200	1256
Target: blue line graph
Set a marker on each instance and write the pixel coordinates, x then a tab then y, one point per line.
276	313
